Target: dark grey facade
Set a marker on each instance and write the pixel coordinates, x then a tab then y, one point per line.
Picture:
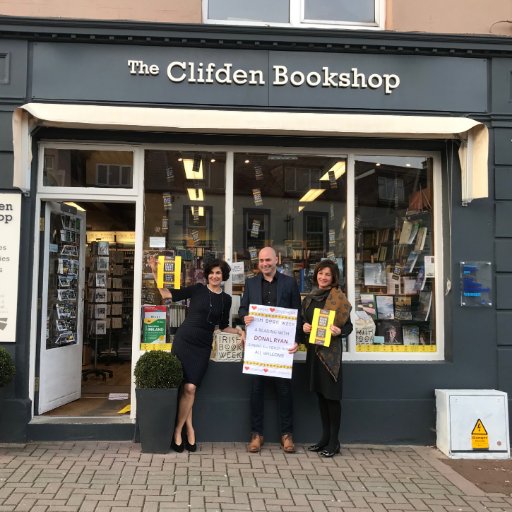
88	63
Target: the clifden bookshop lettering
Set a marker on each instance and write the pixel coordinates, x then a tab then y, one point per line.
10	218
227	74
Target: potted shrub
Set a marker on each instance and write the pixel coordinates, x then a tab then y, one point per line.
7	369
158	375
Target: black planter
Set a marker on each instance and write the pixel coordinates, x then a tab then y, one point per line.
156	414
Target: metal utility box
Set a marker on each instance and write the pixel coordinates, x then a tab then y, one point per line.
472	423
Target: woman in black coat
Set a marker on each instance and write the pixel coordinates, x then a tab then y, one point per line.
324	363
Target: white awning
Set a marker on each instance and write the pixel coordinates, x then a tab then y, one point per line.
473	134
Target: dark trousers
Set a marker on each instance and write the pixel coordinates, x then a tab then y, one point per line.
330	414
283	389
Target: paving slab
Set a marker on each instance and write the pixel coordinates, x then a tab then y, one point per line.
90	476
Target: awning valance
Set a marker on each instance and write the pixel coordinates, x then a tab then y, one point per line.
474	135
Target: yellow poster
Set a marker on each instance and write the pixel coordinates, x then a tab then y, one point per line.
168	272
321	327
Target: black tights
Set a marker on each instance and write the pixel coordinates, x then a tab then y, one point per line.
330	414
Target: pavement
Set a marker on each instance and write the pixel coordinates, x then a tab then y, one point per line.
100	476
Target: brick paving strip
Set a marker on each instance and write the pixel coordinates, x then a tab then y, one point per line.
116	477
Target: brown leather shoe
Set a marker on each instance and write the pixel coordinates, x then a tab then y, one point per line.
255	444
287	443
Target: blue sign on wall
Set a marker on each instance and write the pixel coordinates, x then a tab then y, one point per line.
476	283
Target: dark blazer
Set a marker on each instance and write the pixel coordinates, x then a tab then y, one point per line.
288	296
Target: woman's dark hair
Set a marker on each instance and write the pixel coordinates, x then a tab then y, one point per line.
224	267
335	271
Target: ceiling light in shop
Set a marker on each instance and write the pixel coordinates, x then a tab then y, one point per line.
339	169
197	210
195	194
301	208
74	205
311	195
190	173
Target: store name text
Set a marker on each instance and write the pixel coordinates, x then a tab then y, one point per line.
5	218
199	73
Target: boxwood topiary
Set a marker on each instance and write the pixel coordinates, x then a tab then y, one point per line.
7	368
158	369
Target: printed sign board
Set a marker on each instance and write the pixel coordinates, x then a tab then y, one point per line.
10	225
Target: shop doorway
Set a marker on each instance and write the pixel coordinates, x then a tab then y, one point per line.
86	291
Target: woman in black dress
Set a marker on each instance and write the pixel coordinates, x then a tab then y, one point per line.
208	307
324	363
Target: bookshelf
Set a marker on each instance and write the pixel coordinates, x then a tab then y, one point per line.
394	297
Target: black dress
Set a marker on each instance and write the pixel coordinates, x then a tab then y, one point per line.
193	341
320	380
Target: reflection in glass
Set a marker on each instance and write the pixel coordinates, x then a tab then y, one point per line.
394	259
273	11
362	11
294	203
184	203
87	168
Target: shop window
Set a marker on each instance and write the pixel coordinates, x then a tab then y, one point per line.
328	13
294	203
87	168
184	206
394	261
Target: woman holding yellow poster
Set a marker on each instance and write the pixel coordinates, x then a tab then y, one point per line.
326	317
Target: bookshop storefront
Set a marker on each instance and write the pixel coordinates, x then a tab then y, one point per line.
374	160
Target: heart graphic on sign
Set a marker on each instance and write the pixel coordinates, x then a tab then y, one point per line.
265	370
272	309
254	307
246	367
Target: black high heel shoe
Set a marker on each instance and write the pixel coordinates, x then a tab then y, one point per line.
190	447
318	447
328	453
177	447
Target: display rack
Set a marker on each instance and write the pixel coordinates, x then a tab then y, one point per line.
63	290
99	304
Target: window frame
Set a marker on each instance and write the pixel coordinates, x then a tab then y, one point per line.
324	218
297	19
63	191
350	154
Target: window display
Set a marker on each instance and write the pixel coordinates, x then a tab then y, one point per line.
394	280
299	204
64	265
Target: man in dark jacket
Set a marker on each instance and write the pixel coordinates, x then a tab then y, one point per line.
270	288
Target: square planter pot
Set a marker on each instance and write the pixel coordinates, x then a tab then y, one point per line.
156	416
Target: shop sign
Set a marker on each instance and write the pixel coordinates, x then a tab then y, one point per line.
227	74
258	78
10	225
